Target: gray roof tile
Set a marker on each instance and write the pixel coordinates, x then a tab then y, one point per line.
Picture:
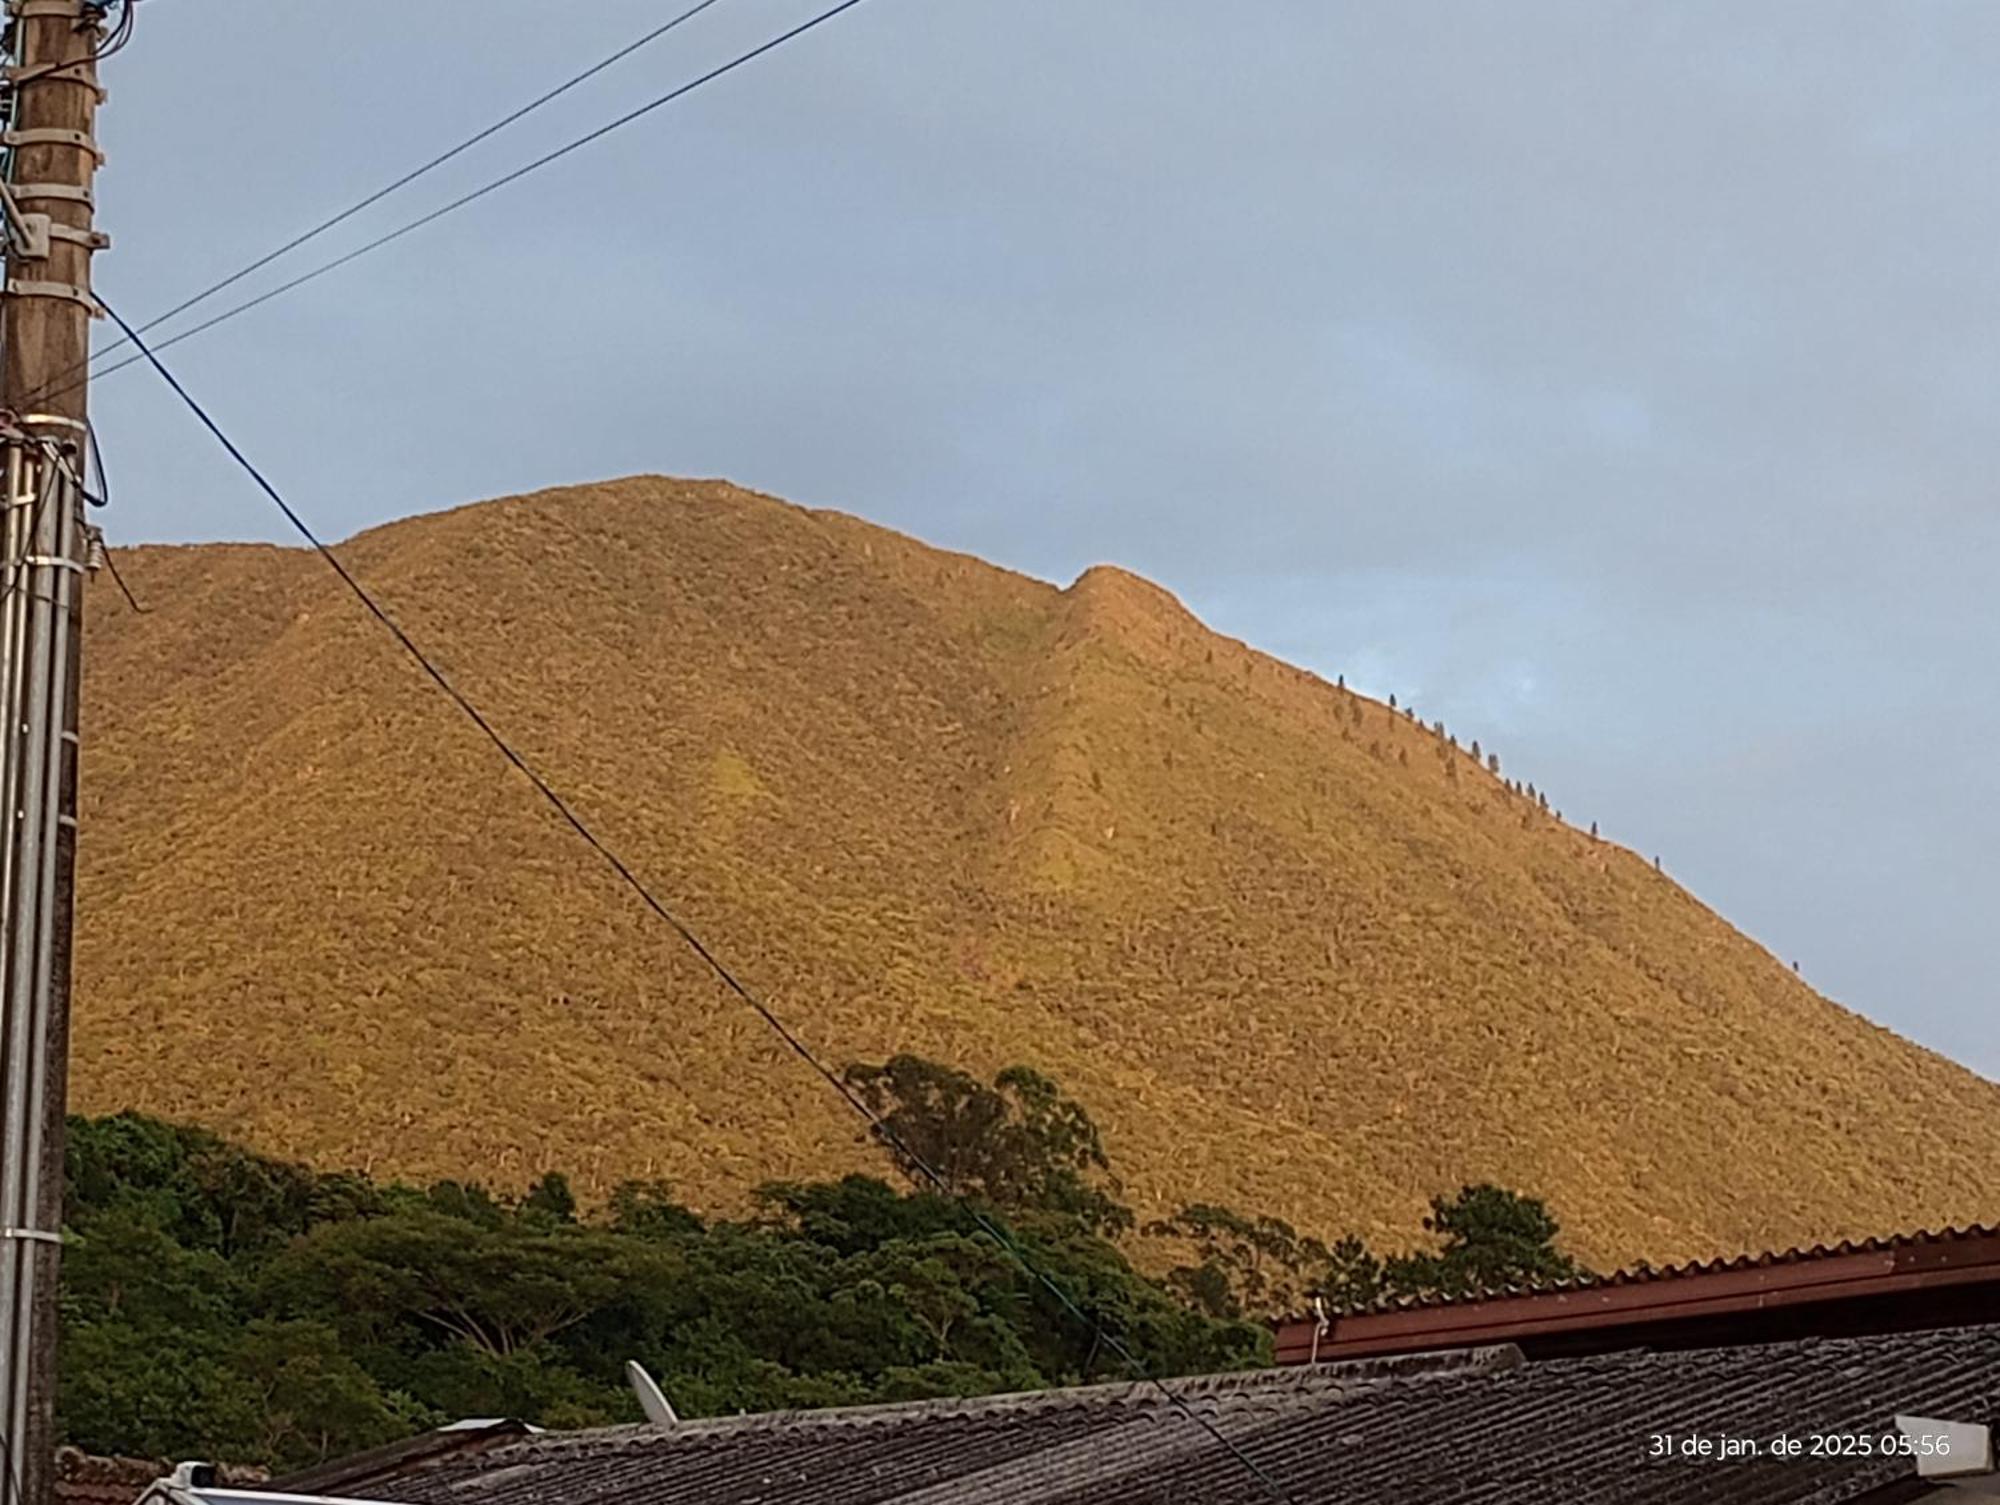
1478	1425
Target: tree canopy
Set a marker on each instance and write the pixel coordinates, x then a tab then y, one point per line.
1019	1145
220	1304
1488	1239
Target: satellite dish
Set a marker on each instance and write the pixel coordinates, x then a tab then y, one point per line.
651	1400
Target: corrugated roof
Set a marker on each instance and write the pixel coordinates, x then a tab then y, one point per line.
1478	1425
339	1474
1643	1273
88	1479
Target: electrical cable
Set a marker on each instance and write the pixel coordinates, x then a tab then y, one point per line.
723	974
121	33
111	564
405	180
11	1479
459	203
102	496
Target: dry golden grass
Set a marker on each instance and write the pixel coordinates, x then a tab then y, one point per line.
1293	952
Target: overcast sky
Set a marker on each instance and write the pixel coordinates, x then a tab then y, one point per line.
1614	381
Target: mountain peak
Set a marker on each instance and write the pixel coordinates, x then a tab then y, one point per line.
1297	953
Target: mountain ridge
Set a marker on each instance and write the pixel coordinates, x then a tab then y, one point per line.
1296	952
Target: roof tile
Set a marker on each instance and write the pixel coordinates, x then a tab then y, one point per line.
1474	1425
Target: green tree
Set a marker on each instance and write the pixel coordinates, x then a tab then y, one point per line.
146	1331
859	1213
1489	1239
122	1266
314	1401
649	1209
1162	1333
539	1381
497	1290
1351	1278
163	1399
550	1200
201	1190
162	1357
465	1200
1019	1144
961	1292
219	1304
1241	1266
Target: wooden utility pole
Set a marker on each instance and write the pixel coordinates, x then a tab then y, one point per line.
51	156
54	155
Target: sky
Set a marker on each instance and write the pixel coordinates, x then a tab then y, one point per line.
1612	381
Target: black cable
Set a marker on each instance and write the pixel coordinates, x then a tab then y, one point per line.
12	1477
473	197
121	33
102	496
798	1047
405	180
111	564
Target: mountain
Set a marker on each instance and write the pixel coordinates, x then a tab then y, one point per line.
1295	951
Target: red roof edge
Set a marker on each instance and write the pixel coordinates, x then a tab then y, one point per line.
1909	1282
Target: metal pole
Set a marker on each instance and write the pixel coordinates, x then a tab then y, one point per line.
41	581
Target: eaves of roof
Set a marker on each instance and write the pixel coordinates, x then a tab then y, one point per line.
1477	1425
340	1475
1644	1297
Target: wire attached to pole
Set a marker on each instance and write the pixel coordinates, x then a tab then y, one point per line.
877	1126
459	203
124	35
10	1479
111	564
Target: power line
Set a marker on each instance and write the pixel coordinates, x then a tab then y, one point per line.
618	865
407	178
477	194
10	1480
121	34
111	564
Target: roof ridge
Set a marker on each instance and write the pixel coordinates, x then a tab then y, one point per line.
1277	1383
1641	1271
1825	1347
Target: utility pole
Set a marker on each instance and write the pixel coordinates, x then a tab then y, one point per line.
51	158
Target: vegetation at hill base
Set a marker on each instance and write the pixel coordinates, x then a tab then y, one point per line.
1302	951
219	1304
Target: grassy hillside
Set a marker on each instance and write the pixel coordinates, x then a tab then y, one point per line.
1295	951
